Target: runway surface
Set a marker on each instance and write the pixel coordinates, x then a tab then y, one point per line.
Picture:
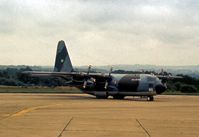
79	115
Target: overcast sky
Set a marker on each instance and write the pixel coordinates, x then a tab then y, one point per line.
100	32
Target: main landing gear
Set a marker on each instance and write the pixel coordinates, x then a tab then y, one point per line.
101	97
118	97
150	98
114	97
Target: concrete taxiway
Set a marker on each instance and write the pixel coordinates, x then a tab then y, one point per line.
80	115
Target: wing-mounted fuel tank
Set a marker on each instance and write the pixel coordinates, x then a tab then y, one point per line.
129	82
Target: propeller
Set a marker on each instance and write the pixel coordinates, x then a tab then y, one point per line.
107	83
86	79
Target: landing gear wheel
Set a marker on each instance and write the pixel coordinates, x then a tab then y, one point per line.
150	98
101	97
118	97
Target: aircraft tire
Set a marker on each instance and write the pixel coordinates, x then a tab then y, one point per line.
101	97
150	98
118	97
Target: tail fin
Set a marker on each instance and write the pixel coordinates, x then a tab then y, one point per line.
62	61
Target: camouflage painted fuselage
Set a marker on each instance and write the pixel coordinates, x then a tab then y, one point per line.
126	85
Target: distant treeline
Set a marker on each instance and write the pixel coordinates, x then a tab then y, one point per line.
14	77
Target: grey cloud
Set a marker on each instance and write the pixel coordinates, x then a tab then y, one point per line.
132	25
6	17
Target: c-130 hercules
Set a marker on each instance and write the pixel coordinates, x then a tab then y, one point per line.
103	85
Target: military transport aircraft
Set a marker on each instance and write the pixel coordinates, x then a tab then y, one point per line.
104	85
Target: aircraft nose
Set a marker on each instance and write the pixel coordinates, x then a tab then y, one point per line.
160	89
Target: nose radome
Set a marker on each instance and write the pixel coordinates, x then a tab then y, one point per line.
160	89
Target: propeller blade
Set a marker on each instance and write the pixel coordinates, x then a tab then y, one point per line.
85	84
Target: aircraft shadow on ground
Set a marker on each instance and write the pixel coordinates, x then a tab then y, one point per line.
81	97
69	96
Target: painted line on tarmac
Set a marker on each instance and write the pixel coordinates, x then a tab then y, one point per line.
65	127
143	127
24	111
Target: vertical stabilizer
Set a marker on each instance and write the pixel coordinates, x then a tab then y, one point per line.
62	60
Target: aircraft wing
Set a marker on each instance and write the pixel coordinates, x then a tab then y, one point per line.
48	74
168	77
68	75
